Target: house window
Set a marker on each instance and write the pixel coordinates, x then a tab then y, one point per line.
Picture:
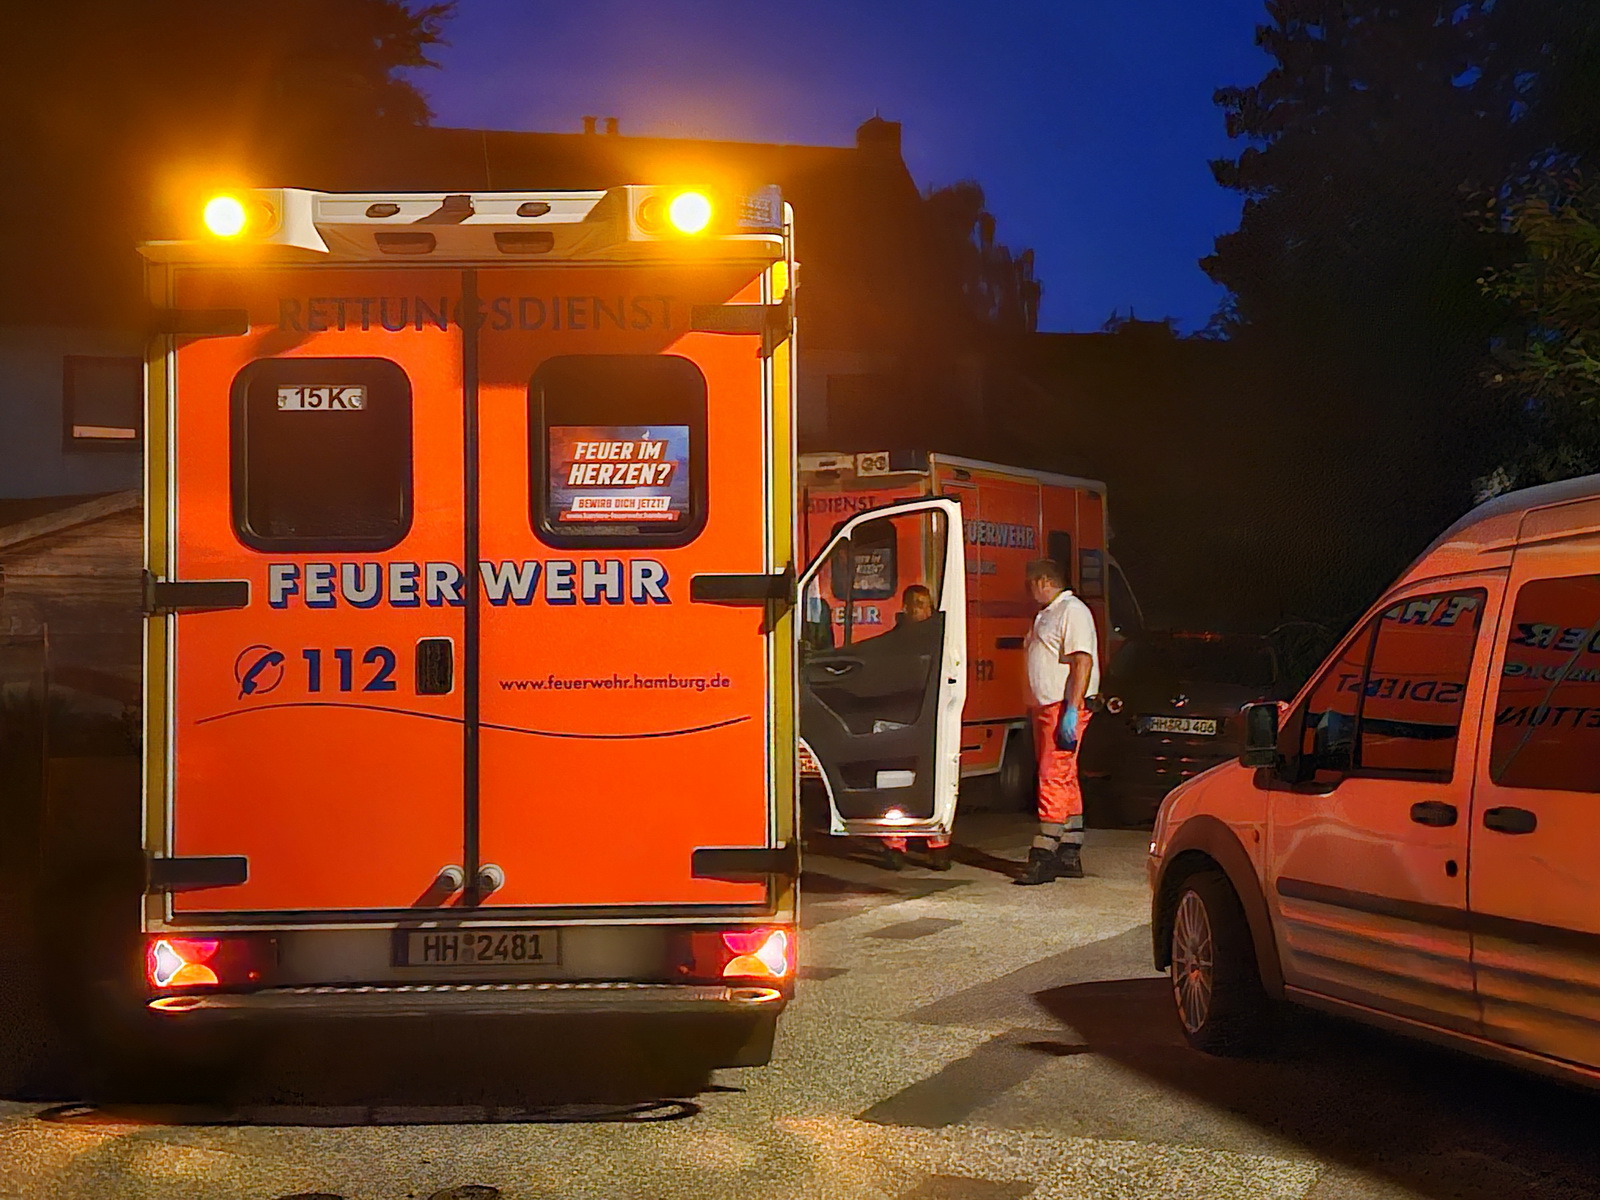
103	402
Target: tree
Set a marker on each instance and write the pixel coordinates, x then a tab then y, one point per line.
117	111
1353	276
1546	361
996	287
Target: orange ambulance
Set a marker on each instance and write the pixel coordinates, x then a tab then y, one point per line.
471	670
1010	516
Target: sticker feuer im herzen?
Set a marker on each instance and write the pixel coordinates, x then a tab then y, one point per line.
619	473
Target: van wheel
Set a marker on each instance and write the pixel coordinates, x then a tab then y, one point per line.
1018	771
1216	987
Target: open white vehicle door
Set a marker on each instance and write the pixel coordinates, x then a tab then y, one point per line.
881	694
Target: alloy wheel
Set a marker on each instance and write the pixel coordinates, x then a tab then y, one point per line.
1193	962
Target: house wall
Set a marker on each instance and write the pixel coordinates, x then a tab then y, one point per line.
33	458
81	589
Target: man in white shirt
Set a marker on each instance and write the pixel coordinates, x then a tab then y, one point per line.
1063	672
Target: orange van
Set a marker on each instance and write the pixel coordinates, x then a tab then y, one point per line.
471	670
1411	841
1010	515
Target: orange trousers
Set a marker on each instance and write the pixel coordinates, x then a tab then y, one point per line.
1060	796
935	842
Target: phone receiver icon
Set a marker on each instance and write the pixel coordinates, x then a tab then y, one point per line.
247	685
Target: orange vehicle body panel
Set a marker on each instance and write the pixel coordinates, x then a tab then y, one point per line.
622	776
589	794
336	807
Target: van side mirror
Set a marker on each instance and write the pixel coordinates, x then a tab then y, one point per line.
1260	735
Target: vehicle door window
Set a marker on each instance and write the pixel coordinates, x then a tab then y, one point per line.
1327	728
870	570
1058	545
321	454
858	596
1415	686
1547	708
617	450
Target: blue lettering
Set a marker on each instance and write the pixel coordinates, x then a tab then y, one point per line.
361	584
283	581
602	581
647	582
513	581
444	584
403	584
319	586
558	582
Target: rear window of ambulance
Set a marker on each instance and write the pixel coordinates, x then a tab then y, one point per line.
617	450
321	454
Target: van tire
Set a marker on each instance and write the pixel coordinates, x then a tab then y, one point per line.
1216	986
1017	778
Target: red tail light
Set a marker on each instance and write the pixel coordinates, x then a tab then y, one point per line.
173	963
755	954
760	954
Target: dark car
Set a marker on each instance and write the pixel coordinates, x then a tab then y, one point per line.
1172	710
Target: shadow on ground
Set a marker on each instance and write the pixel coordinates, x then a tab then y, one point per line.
1443	1124
396	1071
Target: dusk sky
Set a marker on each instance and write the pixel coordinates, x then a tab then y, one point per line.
1089	123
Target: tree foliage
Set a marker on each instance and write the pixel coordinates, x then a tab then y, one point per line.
1354	275
1554	291
116	107
1546	361
996	287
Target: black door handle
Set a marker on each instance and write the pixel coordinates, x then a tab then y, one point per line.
1434	812
1510	820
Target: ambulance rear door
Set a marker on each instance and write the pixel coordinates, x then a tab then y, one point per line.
880	694
627	699
305	582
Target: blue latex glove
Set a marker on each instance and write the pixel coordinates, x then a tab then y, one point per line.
1067	728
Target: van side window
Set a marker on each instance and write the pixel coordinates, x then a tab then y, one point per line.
617	450
1415	685
321	454
1547	710
1328	730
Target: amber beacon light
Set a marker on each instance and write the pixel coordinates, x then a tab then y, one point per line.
225	216
689	212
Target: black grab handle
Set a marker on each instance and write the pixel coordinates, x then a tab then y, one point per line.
1510	820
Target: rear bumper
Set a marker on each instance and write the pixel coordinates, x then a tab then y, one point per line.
478	1000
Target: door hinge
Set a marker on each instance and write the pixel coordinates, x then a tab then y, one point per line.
193	595
193	873
746	864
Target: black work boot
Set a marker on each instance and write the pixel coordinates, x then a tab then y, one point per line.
1043	866
1069	860
891	859
938	858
